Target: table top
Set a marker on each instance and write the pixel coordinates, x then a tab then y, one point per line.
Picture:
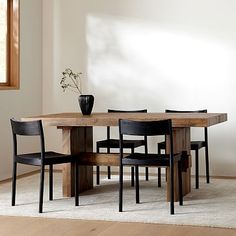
111	119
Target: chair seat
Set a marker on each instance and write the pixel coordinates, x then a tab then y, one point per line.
50	158
114	143
197	145
149	159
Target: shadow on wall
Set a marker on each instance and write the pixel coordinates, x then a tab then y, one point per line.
135	64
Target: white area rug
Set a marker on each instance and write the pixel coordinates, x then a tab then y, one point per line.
213	204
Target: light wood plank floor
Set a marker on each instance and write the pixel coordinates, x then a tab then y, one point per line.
27	226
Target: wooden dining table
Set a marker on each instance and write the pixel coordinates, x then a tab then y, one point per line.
77	138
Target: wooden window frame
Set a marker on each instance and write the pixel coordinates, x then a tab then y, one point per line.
13	46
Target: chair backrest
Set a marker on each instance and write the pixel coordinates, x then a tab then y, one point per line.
146	128
27	128
193	111
122	111
126	111
182	111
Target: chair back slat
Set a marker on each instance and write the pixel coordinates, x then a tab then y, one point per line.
145	128
181	111
29	128
126	111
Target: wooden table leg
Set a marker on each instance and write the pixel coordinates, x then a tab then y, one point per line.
181	140
75	140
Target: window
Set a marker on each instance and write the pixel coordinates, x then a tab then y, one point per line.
9	44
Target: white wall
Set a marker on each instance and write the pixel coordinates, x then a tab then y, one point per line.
153	54
28	99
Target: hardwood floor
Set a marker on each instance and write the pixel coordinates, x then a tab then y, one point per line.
27	226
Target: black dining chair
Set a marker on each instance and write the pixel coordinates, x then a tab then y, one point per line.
110	143
195	146
41	159
149	128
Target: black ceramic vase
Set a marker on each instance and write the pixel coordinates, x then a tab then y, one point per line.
86	104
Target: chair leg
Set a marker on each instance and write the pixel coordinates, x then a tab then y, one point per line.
98	171
132	171
50	182
76	184
159	177
13	198
196	168
121	189
172	189
132	176
137	184
146	171
41	189
109	172
108	168
180	183
98	174
207	165
166	174
146	152
159	169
